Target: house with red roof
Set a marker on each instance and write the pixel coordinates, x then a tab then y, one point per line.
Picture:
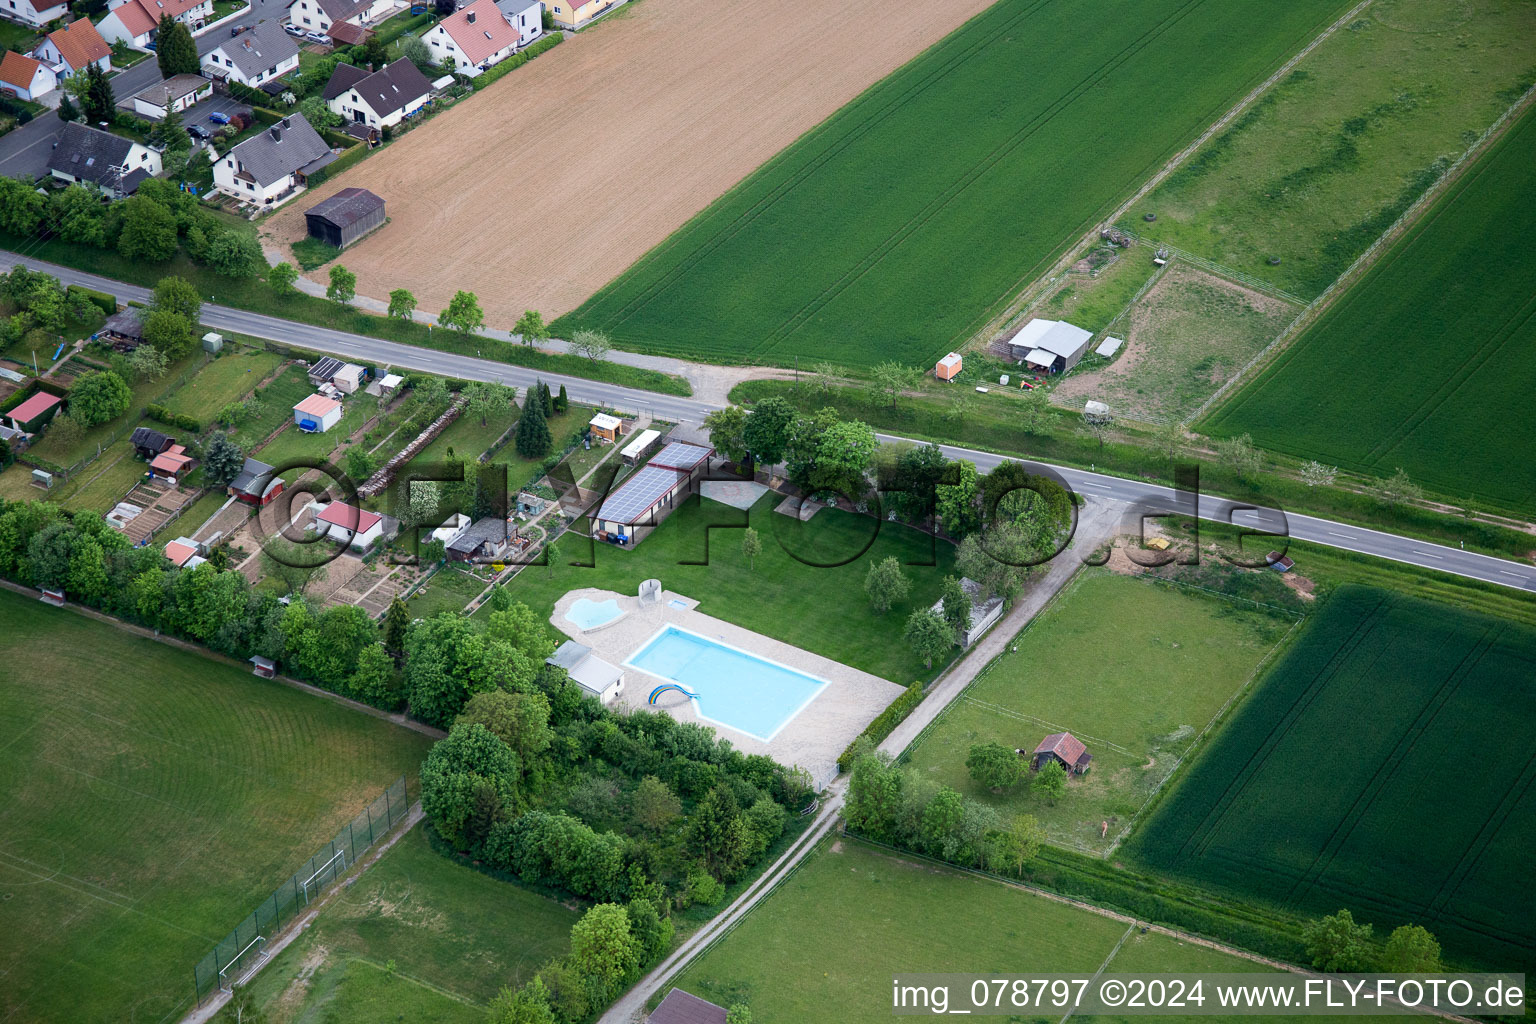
1063	748
33	414
355	527
136	22
25	77
172	464
36	13
476	37
73	48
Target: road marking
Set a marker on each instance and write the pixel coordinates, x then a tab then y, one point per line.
1429	554
1346	536
1516	575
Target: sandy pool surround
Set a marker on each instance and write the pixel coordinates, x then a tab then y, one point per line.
812	738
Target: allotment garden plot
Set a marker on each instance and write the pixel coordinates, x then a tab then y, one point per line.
1385	765
1133	668
897	228
1429	362
151	798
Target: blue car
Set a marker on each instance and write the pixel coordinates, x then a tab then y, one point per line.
218	118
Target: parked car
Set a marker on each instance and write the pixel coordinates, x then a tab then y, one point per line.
197	131
293	30
318	37
218	118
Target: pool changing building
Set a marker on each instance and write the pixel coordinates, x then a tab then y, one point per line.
596	677
640	503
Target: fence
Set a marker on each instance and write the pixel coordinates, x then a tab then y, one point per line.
243	949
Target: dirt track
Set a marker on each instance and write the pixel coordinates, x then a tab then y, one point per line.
540	190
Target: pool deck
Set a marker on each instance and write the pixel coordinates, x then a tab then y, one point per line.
812	739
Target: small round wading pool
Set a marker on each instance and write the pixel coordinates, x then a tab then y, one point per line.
589	614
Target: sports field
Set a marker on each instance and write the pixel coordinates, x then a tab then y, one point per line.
1133	668
149	799
1427	363
897	228
1385	765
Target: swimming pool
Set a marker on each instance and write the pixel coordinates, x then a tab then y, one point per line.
735	689
589	614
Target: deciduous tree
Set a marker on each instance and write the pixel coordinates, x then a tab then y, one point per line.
1397	490
956	604
402	304
281	278
654	807
885	584
147	362
751	547
994	766
727	432
179	296
98	396
530	327
1337	943
1239	455
602	946
168	331
1050	781
1410	949
1316	474
148	230
463	313
890	379
343	286
928	635
593	344
766	431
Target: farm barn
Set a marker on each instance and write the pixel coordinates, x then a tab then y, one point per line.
1064	748
1053	346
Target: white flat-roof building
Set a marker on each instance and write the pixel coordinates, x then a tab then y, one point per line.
638	446
596	677
317	414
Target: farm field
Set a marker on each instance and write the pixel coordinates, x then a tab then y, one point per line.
1328	159
1406	369
857	246
151	798
822	610
1165	661
622	134
455	936
1330	786
1189	334
226	379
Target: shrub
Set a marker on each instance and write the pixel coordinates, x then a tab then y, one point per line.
101	300
884	723
161	414
517	60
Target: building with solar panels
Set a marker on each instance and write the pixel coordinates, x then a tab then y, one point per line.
634	508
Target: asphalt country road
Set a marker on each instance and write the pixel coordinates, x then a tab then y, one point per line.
1145	498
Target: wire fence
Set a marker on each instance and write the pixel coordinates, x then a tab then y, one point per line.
244	948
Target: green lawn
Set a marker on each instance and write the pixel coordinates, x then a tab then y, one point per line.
449	590
860	244
1093	302
823	610
293	443
277	400
1374	406
104	482
1329	158
1385	692
226	379
1133	668
144	393
199	512
150	798
446	927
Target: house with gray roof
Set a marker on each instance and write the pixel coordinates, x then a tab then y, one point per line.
269	166
253	58
596	677
381	99
110	162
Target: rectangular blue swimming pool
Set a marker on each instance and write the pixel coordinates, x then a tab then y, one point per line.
730	686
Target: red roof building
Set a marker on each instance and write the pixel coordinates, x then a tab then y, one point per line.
685	1008
1062	747
172	462
339	513
78	45
34	412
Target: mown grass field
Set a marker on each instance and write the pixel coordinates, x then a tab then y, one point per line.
1133	668
823	610
226	379
897	228
149	799
1428	363
1385	765
1328	159
455	937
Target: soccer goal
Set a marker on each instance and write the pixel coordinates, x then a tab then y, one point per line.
243	964
315	884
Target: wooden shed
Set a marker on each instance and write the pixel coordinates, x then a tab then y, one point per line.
345	217
1064	748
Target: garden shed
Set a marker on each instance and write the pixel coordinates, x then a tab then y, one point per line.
686	1008
345	217
1062	747
606	427
34	414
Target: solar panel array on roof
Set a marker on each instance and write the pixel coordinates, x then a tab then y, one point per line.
680	455
637	495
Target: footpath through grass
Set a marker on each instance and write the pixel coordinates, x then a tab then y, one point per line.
1429	362
149	799
899	226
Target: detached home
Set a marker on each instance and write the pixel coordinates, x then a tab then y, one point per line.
269	166
253	58
136	22
111	162
320	15
24	77
478	36
36	13
175	93
381	99
72	49
576	13
527	16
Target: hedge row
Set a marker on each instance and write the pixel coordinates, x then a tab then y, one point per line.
161	414
338	165
884	723
101	300
517	60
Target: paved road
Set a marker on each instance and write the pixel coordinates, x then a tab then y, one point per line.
1141	494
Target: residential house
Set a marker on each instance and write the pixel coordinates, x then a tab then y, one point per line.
256	484
137	22
172	464
175	93
357	528
527	16
35	13
345	217
317	414
383	98
124	330
269	166
148	442
114	164
1063	748
686	1008
596	677
73	48
263	54
26	77
486	540
576	13
33	414
478	36
320	15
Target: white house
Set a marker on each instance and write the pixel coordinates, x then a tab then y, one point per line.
175	93
25	77
356	527
317	414
319	15
596	677
527	16
381	99
115	164
73	48
136	22
253	58
478	36
36	13
269	166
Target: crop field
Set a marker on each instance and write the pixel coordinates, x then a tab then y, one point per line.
896	229
1321	165
1165	660
1384	765
149	799
453	935
1188	335
1426	363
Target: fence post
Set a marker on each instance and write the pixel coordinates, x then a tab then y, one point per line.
369	811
